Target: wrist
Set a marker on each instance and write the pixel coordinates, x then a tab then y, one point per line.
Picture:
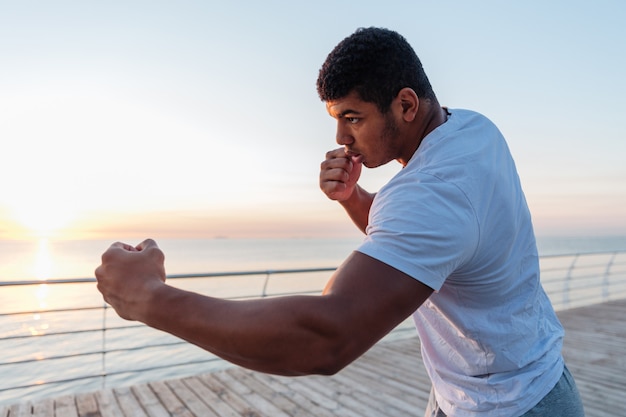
358	199
155	302
358	207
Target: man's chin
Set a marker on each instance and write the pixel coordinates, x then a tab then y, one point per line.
373	164
368	164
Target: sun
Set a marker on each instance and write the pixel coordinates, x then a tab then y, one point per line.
42	193
41	210
44	219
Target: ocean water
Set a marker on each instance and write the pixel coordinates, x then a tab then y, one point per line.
40	260
44	259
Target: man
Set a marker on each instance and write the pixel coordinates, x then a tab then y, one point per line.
449	239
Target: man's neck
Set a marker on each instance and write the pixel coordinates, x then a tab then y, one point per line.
430	116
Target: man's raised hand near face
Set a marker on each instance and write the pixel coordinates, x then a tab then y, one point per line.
339	174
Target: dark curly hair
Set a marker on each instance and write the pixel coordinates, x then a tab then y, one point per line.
376	63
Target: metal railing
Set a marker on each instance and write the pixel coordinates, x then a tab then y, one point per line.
103	335
580	279
97	348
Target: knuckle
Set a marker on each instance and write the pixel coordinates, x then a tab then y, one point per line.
156	254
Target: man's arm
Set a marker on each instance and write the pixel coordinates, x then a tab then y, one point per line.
339	174
358	207
293	335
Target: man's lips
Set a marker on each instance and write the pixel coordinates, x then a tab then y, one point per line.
356	157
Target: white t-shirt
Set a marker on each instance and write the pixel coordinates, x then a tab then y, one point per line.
456	219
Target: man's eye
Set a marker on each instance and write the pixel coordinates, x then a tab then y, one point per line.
352	120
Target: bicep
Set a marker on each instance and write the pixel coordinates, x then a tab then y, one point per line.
370	298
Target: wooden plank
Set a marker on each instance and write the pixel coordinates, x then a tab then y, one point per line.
87	406
227	395
107	403
169	400
347	406
331	397
231	379
20	410
375	396
190	399
379	391
320	403
274	397
404	397
324	396
306	404
379	366
65	406
210	397
149	401
594	352
43	408
347	396
128	404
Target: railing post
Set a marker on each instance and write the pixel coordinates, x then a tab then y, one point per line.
267	280
104	344
566	283
605	278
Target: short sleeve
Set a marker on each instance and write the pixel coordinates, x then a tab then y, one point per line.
422	226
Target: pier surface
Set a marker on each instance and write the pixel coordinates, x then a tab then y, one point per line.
389	380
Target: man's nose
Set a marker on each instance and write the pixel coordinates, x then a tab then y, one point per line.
343	136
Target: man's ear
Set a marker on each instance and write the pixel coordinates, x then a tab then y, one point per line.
409	103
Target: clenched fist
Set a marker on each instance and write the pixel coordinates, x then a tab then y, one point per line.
339	174
128	277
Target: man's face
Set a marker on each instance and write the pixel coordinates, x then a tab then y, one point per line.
367	134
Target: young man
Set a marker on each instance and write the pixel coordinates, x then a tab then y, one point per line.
449	240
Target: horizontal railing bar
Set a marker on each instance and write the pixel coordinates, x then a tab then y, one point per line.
53	358
54	281
109	329
102	375
572	278
577	267
577	277
244	273
59	381
574	300
95	352
153	368
58	310
585	266
47	281
107	374
570	255
99	329
96	330
87	308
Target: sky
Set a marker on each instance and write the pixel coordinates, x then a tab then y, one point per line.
201	119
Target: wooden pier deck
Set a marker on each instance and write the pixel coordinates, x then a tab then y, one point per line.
389	380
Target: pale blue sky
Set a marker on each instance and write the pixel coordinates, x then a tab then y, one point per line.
203	116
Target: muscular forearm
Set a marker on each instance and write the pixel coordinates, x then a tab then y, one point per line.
288	335
293	335
358	207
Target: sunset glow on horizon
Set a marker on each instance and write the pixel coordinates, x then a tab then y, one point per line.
118	120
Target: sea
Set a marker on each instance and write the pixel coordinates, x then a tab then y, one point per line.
45	259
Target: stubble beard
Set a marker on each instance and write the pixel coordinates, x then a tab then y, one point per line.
389	143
